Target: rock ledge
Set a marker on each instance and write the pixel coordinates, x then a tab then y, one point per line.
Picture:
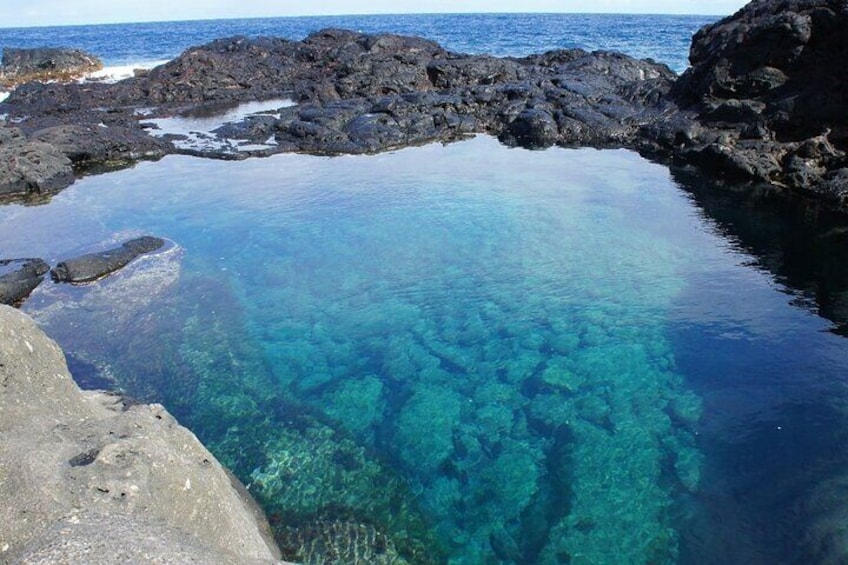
88	479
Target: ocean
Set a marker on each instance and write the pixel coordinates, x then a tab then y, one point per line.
468	353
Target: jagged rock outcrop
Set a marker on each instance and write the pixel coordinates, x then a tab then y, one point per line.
88	478
45	63
766	97
357	93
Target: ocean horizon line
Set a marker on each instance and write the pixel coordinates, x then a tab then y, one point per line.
358	15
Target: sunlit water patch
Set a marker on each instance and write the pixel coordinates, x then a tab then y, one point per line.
467	353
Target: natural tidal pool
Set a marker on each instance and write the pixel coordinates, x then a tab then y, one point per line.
471	354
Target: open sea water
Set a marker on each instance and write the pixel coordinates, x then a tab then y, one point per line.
471	354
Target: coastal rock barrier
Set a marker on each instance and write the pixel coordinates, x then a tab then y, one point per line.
88	477
763	102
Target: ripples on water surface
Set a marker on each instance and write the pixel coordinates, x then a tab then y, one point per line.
467	352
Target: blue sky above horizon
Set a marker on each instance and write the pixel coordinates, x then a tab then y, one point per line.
15	13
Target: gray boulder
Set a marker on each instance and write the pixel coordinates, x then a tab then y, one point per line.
88	479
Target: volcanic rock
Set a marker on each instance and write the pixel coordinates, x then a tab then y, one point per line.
769	87
44	64
763	101
97	265
30	167
19	277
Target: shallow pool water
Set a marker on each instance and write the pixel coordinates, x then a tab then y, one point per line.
195	130
464	353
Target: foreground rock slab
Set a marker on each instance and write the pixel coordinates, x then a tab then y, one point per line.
94	266
89	479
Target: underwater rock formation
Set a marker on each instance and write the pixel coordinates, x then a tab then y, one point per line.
338	542
90	478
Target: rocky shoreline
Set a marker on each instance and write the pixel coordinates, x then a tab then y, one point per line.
763	103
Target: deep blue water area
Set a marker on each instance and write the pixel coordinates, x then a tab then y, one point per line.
663	38
476	354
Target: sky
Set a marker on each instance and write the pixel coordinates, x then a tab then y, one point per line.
24	13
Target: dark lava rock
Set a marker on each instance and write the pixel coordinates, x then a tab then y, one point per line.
45	63
88	145
30	167
18	278
533	128
422	91
769	87
97	265
787	54
358	93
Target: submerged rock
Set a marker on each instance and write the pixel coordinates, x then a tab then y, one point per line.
87	478
97	265
340	542
44	64
19	277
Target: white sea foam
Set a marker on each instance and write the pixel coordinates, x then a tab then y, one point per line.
120	72
4	95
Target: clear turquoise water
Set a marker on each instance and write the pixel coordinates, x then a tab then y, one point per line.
486	355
